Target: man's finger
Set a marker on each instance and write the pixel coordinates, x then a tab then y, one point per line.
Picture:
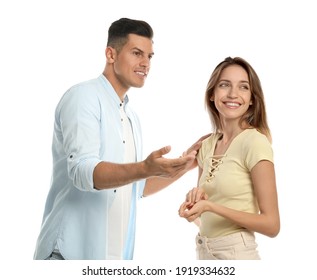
163	151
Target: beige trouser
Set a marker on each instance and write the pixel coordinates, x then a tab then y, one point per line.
236	246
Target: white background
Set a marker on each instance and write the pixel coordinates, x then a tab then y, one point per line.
47	46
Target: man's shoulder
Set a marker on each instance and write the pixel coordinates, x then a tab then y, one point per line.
85	84
81	93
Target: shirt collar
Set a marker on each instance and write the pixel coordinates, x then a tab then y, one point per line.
112	92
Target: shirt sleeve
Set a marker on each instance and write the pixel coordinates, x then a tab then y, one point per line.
79	119
257	148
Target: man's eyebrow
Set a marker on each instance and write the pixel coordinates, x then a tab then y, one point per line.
136	48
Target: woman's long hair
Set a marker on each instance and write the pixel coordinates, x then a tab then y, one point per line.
255	116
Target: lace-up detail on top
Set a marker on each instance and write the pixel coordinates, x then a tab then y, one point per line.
214	163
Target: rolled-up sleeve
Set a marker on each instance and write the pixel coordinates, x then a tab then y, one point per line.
79	121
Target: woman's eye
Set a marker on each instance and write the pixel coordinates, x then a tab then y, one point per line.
224	85
245	87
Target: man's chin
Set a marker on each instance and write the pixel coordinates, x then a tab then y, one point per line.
139	85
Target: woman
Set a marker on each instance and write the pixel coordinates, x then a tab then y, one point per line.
236	194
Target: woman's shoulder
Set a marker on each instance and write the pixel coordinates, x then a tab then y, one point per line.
208	143
252	134
211	139
254	139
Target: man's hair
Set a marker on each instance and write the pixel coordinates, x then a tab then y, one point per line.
119	30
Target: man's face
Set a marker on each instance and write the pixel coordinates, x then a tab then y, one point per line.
132	63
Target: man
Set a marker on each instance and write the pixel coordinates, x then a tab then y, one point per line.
98	171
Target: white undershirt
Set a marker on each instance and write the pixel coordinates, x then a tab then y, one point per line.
120	210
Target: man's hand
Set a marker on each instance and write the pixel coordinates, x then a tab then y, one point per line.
157	165
195	147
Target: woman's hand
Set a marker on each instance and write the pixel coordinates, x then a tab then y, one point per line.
194	212
194	204
195	195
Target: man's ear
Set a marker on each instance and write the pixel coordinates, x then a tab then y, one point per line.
111	54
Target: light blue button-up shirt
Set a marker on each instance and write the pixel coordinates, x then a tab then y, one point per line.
87	130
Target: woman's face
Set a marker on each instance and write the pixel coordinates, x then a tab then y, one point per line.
232	94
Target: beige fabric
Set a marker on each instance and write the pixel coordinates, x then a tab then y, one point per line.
236	246
226	178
